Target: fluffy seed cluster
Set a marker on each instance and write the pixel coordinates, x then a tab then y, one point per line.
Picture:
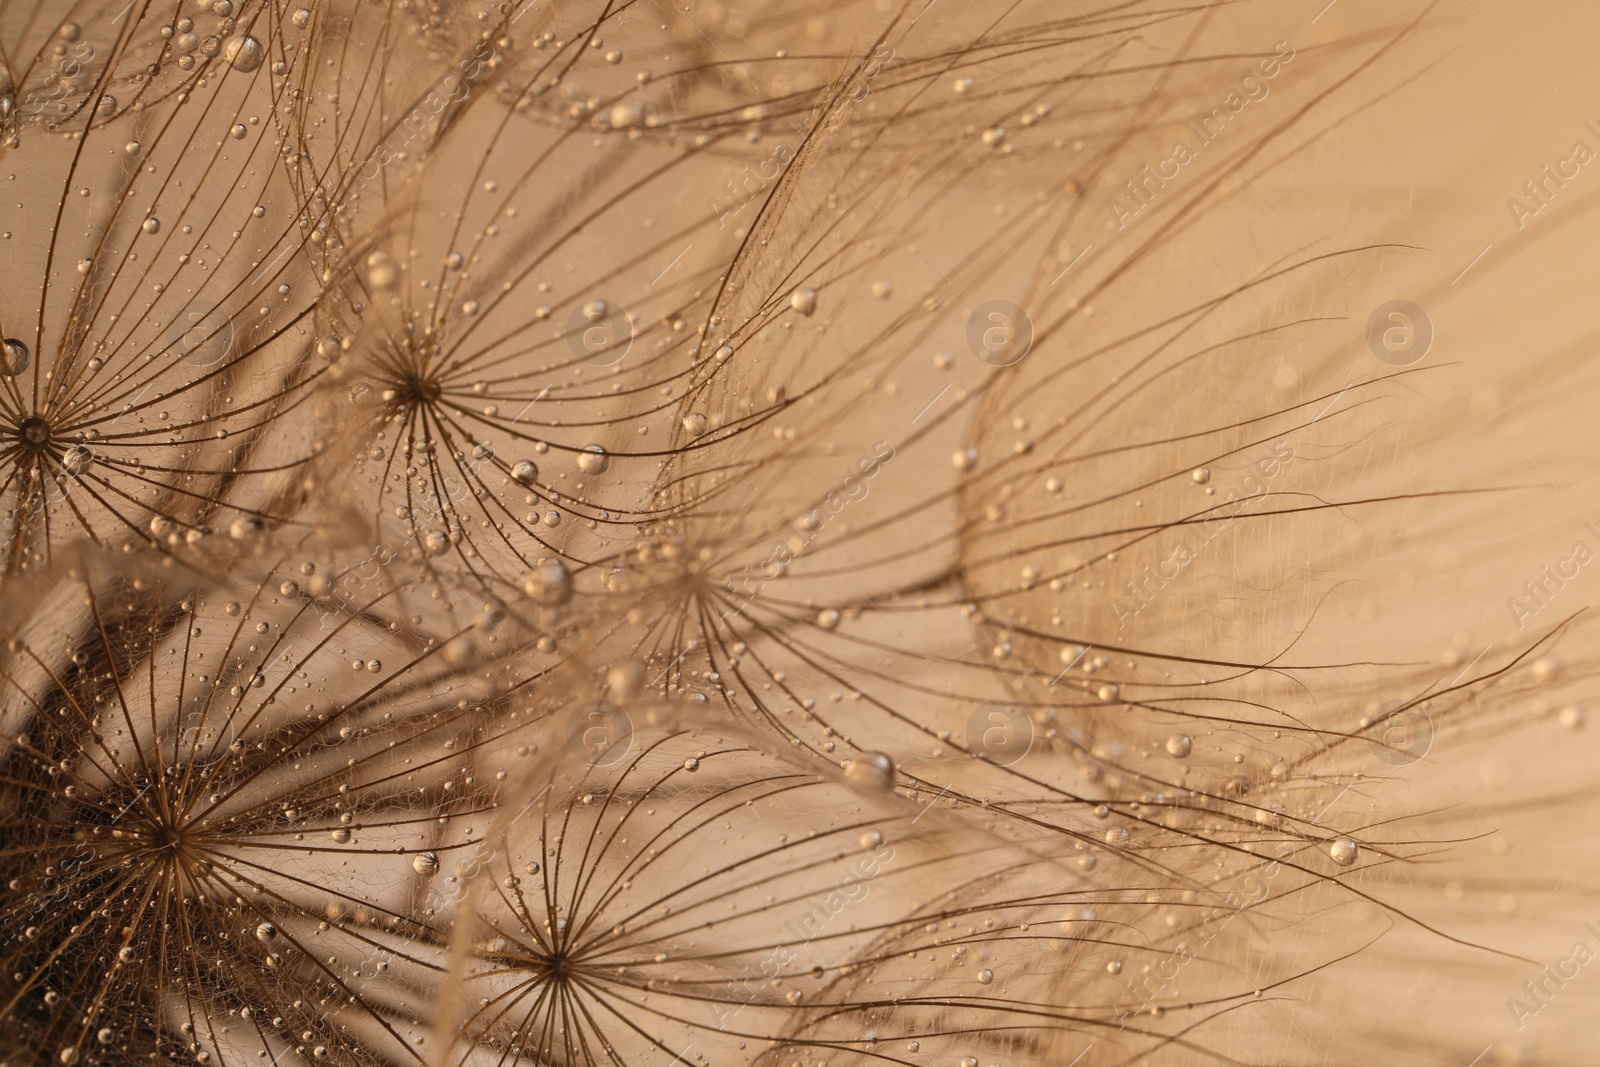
634	533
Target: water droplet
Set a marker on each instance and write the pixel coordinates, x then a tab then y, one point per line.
691	764
301	18
593	460
340	835
133	148
239	131
14	357
1343	850
151	225
828	618
804	301
871	770
964	459
107	107
78	459
244	53
1116	837
626	114
1178	745
985	976
525	471
694	424
550	583
382	272
435	542
871	839
1201	475
425	864
266	932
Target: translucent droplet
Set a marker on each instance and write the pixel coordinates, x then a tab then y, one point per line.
964	459
1201	475
804	301
593	460
550	583
151	225
871	839
985	976
244	53
266	932
78	459
14	357
1178	745
691	764
694	424
871	770
1116	837
626	114
425	864
1343	850
239	131
301	18
107	106
382	273
340	835
290	588
435	542
828	618
525	471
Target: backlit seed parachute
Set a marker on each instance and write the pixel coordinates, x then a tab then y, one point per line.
158	326
216	810
687	893
515	347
